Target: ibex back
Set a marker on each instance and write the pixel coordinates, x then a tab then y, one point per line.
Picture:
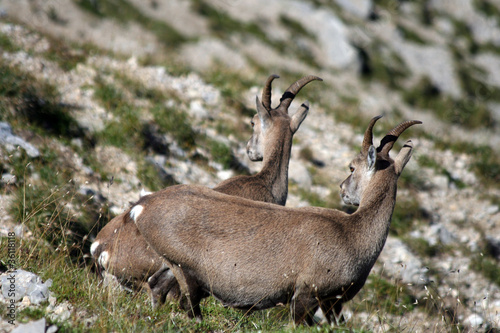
119	248
253	255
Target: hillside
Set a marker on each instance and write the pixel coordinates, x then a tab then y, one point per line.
100	99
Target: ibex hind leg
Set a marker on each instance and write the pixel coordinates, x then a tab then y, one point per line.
332	309
303	307
191	293
161	283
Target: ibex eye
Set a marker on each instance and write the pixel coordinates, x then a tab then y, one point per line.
352	169
252	123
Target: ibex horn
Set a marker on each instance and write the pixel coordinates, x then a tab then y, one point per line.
294	89
368	139
266	93
390	138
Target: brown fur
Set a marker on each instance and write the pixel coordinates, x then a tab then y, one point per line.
130	258
254	255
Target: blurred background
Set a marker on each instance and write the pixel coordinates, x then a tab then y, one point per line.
101	98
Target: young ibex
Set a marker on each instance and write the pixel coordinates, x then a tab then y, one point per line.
120	250
253	255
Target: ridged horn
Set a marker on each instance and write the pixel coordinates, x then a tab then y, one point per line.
266	93
368	138
294	89
390	138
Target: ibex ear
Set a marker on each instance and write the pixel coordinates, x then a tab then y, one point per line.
403	157
264	115
299	116
371	158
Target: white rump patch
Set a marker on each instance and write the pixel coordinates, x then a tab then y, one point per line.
103	259
93	247
144	193
135	212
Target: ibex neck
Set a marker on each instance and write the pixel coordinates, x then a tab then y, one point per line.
275	166
375	212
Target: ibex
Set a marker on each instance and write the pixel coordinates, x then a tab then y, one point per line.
253	255
120	249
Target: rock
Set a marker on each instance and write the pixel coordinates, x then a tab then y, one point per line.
299	174
474	320
8	179
52	329
435	62
399	261
25	283
32	327
62	312
360	8
11	141
203	54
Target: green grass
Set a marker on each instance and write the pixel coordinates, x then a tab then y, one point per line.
405	214
410	35
123	11
173	121
34	104
485	159
468	112
382	65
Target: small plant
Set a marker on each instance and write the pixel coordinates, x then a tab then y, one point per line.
176	123
34	103
405	214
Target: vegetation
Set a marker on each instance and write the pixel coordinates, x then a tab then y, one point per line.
124	12
148	125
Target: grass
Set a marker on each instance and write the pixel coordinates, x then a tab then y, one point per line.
405	214
382	65
34	104
123	12
410	35
485	160
468	112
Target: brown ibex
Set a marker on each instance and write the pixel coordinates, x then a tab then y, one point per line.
121	251
252	255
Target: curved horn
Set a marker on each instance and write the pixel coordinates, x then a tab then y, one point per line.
390	138
266	93
368	138
294	89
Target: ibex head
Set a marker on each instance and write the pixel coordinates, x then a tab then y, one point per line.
266	117
371	159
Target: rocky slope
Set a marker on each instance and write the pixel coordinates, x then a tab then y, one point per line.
124	67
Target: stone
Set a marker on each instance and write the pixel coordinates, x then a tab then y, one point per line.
25	284
360	8
31	327
11	141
